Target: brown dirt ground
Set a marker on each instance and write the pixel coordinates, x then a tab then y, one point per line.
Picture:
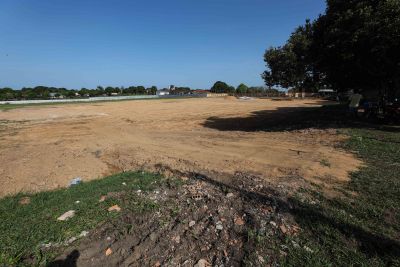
45	147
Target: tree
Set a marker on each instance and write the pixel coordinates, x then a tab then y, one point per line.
140	90
71	93
6	93
290	66
242	89
153	90
109	90
281	67
356	43
256	90
84	92
231	90
220	87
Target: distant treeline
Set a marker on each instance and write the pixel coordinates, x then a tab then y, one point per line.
242	89
44	92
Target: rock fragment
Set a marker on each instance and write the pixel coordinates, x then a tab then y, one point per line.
239	221
109	252
66	216
24	201
114	208
202	263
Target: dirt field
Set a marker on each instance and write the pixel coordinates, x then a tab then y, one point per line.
44	148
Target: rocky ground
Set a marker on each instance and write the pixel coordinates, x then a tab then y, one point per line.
200	223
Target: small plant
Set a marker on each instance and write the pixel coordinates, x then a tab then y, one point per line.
325	162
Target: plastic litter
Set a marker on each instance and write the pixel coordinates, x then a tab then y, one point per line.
75	181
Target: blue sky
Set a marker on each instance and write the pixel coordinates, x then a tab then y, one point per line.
194	43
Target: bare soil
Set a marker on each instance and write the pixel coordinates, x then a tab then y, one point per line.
43	148
242	223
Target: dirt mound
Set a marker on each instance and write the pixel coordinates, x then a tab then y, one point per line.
229	97
225	225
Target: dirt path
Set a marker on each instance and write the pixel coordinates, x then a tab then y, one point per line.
43	148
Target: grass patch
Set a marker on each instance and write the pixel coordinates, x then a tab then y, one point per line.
361	229
24	228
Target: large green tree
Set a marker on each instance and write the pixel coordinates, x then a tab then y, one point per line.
242	89
356	43
353	45
6	93
290	66
220	87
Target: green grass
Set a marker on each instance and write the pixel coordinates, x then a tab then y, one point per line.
23	228
361	229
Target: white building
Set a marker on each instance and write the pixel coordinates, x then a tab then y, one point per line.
162	92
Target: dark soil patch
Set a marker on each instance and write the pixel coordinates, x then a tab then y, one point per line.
202	219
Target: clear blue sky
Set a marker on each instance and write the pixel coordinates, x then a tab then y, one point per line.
77	43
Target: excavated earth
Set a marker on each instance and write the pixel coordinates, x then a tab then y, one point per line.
244	222
242	161
44	147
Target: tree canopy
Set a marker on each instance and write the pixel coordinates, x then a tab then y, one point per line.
242	89
220	87
44	92
353	45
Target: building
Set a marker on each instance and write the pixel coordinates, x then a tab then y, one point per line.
162	92
56	95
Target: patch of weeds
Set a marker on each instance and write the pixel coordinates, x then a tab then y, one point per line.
146	206
173	183
175	210
325	163
262	247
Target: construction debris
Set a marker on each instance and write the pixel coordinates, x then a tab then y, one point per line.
109	252
219	226
75	181
66	216
229	195
239	221
114	208
202	263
